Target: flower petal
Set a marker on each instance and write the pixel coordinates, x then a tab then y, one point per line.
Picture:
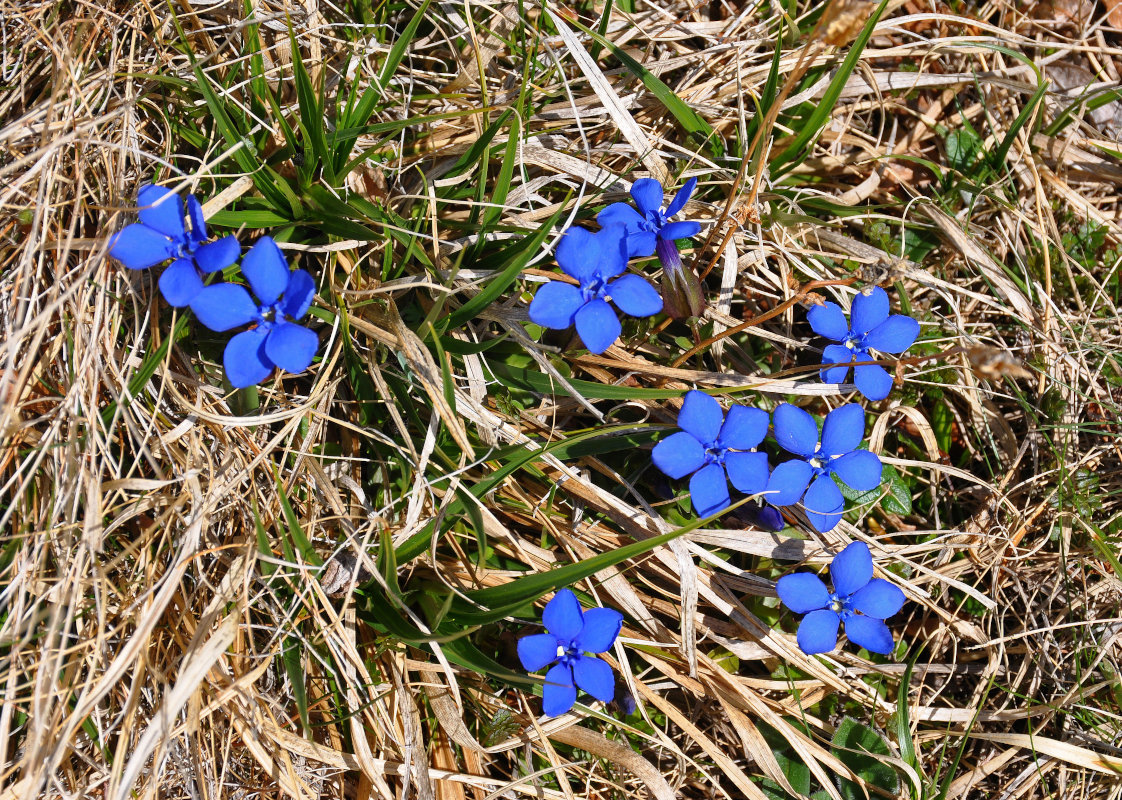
291	347
298	297
851	569
769	518
559	693
748	472
709	490
635	296
613	251
818	632
794	430
578	254
594	675
641	243
597	325
828	320
197	220
701	416
180	283
858	470
140	247
870	309
266	269
872	634
836	354
683	196
873	381
802	592
555	304
788	482
563	617
878	599
620	214
823	503
245	360
679	230
679	455
647	193
537	651
895	335
218	255
744	428
601	627
162	210
843	429
224	306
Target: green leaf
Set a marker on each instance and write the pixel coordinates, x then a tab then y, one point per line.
898	500
294	666
295	531
857	746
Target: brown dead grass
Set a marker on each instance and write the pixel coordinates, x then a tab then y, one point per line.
139	641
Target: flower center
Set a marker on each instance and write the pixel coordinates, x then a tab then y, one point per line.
594	289
715	454
567	652
841	605
268	315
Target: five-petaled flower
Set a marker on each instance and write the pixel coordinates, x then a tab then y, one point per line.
572	634
283	293
808	476
161	235
859	600
593	259
650	231
711	445
870	328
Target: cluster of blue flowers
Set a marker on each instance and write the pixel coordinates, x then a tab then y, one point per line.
165	233
597	261
711	446
714	449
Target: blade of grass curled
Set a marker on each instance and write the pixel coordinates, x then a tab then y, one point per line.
148	368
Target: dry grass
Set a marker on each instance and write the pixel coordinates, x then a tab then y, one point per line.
147	645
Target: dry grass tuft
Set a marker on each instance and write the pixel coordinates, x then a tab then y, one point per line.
160	627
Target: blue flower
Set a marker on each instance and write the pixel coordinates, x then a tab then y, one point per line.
572	634
709	446
859	600
650	223
649	231
871	328
161	235
808	476
251	355
593	259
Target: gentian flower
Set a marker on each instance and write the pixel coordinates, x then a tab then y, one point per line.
808	476
871	328
649	231
161	235
282	294
859	600
594	259
711	445
572	634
